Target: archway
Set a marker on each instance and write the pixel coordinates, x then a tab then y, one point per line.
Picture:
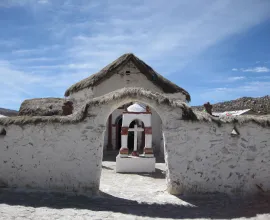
115	114
112	137
170	112
108	171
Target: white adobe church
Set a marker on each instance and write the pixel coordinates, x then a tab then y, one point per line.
57	144
127	71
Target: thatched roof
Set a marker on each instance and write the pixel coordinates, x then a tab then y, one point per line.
41	107
95	79
136	93
112	97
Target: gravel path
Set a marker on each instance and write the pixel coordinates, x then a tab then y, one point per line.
130	196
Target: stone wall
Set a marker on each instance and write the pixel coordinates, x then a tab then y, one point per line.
203	157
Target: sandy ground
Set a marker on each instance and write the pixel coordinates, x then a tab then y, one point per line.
130	196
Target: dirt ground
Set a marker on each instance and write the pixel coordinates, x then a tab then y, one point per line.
130	196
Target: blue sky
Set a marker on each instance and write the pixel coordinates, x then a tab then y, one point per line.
216	49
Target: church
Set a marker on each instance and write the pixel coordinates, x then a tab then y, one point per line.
126	71
58	144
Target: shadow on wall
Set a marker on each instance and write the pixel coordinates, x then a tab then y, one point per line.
216	206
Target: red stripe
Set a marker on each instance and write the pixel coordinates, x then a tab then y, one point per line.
148	130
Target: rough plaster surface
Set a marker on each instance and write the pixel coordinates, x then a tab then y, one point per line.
206	158
52	156
200	157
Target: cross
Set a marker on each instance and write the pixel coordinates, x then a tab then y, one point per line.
135	130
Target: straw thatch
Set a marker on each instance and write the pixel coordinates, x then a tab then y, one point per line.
42	107
137	94
113	97
95	79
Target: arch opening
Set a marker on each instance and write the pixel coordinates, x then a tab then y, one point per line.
114	113
112	135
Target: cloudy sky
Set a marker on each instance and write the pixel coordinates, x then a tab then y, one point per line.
216	49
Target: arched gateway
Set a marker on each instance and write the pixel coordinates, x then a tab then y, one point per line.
48	147
169	110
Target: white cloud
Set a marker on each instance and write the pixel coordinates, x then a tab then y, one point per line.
75	66
221	79
178	31
17	85
236	78
43	1
90	35
8	43
227	93
39	50
234	69
12	3
259	69
34	59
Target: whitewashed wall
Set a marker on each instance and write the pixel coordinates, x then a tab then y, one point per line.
122	79
57	157
203	157
53	157
200	156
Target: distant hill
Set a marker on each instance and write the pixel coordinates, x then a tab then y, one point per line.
8	112
259	105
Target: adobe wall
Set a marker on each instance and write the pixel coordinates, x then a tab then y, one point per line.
200	156
55	157
203	157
